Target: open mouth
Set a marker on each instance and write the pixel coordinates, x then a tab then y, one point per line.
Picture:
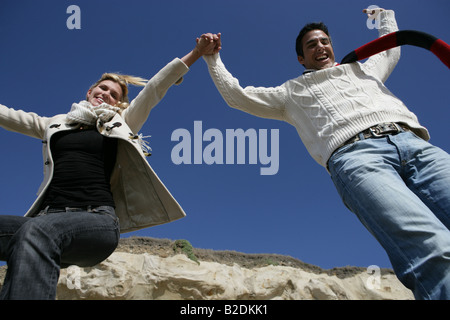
322	57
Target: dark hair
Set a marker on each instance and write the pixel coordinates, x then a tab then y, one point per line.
309	27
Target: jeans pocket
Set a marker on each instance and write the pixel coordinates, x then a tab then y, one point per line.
106	210
338	154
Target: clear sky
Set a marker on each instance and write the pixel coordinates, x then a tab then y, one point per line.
45	67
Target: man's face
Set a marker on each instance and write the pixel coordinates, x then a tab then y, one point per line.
317	50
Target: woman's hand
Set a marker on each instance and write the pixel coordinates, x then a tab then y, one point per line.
207	44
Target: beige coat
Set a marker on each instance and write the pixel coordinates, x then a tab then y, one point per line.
141	198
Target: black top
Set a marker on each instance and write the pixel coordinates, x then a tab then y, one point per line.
84	160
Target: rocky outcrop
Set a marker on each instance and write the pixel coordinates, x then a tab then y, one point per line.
144	268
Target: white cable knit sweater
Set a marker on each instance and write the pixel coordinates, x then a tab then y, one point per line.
329	106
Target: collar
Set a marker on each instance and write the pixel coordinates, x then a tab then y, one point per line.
308	71
313	70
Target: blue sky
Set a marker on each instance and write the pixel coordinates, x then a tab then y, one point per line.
45	67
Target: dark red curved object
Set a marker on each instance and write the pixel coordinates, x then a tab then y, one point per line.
399	38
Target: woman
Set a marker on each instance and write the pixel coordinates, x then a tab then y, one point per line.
95	175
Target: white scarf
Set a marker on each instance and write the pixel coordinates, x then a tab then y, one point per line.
85	113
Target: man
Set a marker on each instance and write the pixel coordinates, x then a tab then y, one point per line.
374	148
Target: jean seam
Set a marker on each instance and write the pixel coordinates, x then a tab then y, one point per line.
53	283
389	241
393	246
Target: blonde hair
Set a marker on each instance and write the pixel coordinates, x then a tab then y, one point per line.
123	80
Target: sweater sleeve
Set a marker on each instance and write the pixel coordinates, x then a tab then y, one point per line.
382	64
155	89
262	102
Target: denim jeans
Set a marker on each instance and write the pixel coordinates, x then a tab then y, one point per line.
399	188
36	248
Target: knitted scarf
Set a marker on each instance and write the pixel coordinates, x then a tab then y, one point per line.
399	38
85	113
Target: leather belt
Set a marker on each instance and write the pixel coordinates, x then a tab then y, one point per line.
378	131
69	209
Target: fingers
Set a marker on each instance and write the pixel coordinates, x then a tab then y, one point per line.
218	43
210	37
373	11
209	43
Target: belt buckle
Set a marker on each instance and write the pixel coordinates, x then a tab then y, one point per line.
382	129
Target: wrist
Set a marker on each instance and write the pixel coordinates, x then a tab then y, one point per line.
196	52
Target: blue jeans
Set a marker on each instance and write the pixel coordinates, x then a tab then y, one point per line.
36	248
399	188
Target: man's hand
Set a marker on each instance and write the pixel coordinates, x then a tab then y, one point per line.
373	13
209	43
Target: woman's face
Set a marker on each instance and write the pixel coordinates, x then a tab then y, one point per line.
106	91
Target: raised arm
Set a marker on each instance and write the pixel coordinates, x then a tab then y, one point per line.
207	44
258	101
156	88
382	64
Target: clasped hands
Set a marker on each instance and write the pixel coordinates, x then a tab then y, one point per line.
209	43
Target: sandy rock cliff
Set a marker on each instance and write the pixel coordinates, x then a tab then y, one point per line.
147	268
